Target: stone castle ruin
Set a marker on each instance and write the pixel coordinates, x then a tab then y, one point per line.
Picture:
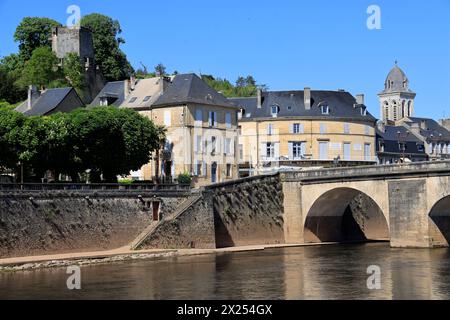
79	40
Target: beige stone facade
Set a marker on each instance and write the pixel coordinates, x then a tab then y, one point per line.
204	147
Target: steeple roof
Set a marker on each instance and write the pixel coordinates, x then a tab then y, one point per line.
396	81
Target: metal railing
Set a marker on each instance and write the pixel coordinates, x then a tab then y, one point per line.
92	187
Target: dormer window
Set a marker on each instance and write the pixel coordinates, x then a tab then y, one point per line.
363	111
275	110
325	109
147	98
132	100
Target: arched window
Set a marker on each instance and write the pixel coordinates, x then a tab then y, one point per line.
403	109
409	109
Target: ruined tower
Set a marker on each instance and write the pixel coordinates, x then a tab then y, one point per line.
79	41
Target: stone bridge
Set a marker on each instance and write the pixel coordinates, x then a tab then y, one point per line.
408	204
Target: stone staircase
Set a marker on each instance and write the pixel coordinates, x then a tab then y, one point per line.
155	224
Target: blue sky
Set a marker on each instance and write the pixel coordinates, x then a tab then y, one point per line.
324	44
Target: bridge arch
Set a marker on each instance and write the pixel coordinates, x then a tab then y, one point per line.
331	219
440	218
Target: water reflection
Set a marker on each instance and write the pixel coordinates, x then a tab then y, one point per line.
325	272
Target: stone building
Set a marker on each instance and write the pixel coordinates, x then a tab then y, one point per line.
79	40
396	100
445	123
396	144
290	129
201	126
49	101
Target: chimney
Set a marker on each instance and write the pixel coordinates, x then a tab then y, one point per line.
381	126
307	98
259	98
360	99
33	93
126	88
132	83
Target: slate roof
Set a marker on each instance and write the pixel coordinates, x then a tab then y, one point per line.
432	128
395	81
114	90
189	88
341	105
391	140
46	102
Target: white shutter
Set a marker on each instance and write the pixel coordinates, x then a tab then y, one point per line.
232	147
303	148
215	119
262	150
277	150
291	150
301	128
204	173
210	121
291	128
195	168
167	118
196	144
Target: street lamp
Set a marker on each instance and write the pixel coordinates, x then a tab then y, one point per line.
402	138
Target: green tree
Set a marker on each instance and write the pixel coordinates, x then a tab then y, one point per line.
32	33
160	70
74	72
10	72
42	68
10	123
113	141
109	56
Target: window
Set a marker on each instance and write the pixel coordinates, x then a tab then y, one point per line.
241	152
298	149
325	109
213	145
323	128
347	149
275	110
229	171
367	152
132	100
228	120
198	144
363	111
199	169
270	150
167	118
227	146
147	98
104	102
199	117
270	129
213	119
289	108
346	128
323	150
297	128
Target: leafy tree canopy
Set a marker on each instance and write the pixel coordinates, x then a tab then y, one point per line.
42	68
32	33
109	56
244	87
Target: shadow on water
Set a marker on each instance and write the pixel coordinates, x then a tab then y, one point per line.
316	272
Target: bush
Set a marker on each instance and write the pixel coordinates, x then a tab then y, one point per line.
184	178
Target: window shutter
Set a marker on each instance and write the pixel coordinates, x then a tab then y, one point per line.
215	119
277	150
303	148
291	128
196	144
291	150
301	129
232	147
196	168
262	150
167	118
204	169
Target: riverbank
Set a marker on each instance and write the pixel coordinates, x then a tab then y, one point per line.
123	254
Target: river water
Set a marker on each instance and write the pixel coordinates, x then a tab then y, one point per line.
319	272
